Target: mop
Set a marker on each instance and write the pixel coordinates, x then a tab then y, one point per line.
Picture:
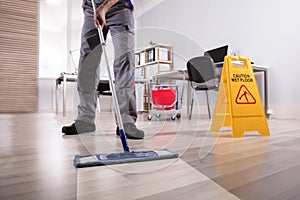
127	156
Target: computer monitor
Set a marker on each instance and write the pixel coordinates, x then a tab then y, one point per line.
217	54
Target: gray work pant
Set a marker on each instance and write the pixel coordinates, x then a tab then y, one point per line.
121	25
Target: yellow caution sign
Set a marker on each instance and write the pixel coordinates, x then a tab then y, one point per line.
239	105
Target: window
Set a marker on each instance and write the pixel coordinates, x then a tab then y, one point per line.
60	29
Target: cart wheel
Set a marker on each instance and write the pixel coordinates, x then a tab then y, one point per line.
149	117
178	115
158	115
173	118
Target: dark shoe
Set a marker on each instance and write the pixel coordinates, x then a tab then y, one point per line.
78	127
131	131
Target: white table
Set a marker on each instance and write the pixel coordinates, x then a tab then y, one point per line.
64	78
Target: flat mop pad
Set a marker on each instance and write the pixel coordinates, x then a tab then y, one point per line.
120	158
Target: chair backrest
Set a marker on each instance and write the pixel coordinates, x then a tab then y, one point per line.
201	69
103	88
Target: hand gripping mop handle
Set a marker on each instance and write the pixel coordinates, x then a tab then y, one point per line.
114	94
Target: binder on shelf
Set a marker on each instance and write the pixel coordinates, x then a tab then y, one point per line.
151	55
142	58
137	59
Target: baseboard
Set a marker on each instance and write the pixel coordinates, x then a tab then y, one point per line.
285	112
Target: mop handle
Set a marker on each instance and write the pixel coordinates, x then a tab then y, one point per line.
114	94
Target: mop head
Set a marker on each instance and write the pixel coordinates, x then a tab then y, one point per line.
120	158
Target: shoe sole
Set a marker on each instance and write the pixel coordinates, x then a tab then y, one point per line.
72	133
131	137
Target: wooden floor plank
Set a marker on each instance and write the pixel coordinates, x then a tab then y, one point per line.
202	190
278	186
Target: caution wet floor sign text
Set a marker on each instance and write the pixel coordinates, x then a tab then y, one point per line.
239	105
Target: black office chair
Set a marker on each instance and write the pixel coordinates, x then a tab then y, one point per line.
103	88
202	76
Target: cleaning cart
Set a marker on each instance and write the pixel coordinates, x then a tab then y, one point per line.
164	99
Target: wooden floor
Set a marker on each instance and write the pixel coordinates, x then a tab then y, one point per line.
36	161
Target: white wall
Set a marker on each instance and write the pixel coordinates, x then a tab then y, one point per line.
266	31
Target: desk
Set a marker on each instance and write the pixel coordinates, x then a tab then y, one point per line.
183	75
64	78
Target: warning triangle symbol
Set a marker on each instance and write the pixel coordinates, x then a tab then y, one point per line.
244	96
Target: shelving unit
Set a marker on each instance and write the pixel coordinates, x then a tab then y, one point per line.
151	60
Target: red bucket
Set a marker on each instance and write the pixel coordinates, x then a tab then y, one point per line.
164	99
